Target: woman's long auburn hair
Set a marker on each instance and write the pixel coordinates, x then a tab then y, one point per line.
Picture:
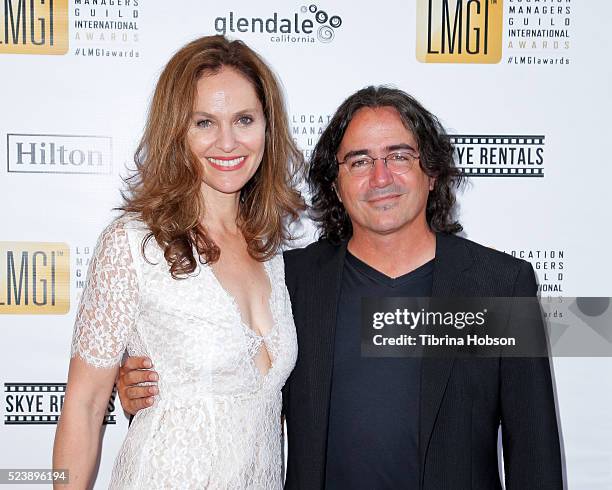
165	189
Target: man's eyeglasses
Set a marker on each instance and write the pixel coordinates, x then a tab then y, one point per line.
398	162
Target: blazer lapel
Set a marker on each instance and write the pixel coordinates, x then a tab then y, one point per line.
452	258
326	287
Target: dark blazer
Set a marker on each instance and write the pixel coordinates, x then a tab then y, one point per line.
463	401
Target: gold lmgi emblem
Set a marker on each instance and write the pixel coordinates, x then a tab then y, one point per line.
34	278
459	31
34	26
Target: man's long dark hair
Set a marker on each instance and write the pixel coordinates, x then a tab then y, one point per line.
436	160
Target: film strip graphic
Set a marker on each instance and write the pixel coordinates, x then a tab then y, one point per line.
499	170
46	390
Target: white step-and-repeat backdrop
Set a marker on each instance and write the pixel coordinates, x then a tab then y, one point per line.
524	87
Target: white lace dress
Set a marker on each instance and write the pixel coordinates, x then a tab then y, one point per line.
216	422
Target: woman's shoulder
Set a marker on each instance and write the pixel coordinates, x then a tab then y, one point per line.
125	227
127	241
123	234
276	264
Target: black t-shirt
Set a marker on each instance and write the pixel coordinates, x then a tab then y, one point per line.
374	410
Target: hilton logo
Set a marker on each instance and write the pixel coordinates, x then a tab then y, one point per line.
35	278
59	154
459	31
34	27
41	404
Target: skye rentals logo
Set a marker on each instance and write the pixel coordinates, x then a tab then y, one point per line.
34	26
34	278
507	155
459	31
309	25
41	404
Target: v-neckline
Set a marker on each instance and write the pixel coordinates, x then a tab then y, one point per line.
237	309
247	330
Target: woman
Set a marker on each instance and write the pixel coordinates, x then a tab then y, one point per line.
191	277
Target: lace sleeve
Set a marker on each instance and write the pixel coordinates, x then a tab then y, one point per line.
109	304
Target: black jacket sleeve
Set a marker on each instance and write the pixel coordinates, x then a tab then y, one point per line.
531	447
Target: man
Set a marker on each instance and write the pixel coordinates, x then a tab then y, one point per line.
382	179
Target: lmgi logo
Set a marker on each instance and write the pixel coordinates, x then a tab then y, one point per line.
34	26
59	154
35	278
459	31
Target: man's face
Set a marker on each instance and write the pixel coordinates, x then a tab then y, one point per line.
381	202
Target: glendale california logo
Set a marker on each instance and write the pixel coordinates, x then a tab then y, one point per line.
309	25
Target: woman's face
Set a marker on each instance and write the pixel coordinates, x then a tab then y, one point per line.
227	132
